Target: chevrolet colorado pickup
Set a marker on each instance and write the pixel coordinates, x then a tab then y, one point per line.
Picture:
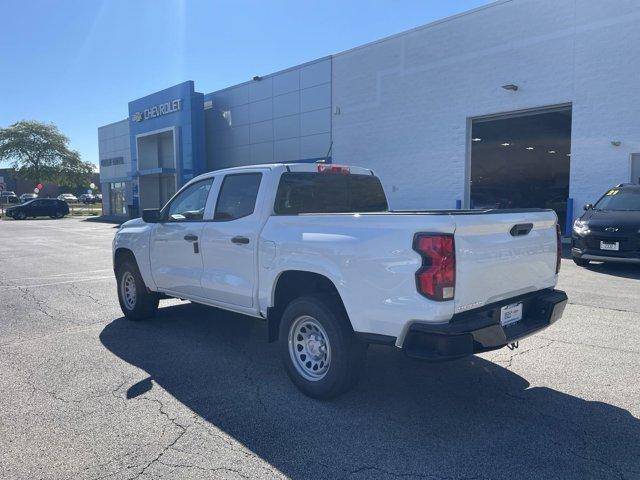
314	250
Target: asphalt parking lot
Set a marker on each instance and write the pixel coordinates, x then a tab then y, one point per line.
198	393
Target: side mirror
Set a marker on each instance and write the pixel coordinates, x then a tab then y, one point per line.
588	206
151	215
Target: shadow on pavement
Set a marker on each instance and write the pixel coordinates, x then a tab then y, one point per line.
616	269
469	418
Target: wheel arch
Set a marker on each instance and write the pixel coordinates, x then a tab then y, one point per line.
122	254
292	284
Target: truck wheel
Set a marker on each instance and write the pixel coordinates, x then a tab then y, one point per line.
136	301
320	353
580	262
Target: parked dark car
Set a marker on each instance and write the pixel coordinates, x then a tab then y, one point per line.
609	231
8	197
40	207
87	198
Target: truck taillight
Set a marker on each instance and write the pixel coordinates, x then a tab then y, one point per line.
436	279
558	248
328	168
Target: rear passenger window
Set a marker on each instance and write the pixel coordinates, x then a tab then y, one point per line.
307	192
237	196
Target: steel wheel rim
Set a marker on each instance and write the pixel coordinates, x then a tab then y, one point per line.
128	290
309	348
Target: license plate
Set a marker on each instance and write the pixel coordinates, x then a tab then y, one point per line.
511	314
610	246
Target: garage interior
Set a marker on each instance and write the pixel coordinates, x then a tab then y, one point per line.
522	160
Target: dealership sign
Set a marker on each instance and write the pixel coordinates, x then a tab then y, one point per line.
158	110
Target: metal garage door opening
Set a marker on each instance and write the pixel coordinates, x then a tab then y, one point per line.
522	161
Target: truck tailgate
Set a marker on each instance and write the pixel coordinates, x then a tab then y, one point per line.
498	257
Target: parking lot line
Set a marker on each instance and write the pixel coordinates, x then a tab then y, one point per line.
64	274
18	287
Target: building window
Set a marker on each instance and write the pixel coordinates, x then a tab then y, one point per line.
117	205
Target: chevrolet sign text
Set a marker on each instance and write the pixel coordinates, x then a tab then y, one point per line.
158	110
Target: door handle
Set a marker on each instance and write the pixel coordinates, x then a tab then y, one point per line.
521	229
240	240
191	237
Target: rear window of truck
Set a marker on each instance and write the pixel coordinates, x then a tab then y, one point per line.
309	192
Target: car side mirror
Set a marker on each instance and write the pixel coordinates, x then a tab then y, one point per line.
588	206
151	215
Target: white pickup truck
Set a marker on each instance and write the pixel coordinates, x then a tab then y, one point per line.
314	250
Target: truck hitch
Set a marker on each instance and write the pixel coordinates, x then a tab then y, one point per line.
513	345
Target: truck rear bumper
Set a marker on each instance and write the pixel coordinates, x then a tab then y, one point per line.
480	330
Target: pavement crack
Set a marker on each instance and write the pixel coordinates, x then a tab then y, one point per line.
592	345
182	430
78	292
30	296
622	310
524	352
579	431
609	466
203	469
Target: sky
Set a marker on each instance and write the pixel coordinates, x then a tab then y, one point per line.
77	63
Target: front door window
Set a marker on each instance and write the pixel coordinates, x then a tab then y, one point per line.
190	203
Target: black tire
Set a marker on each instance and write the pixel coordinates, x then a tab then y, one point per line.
580	262
20	216
145	304
347	353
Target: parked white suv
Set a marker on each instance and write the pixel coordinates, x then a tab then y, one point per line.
315	251
68	197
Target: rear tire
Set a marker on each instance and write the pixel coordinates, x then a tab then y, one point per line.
136	300
581	262
320	352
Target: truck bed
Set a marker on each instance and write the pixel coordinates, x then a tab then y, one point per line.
370	258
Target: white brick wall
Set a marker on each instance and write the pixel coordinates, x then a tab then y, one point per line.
283	117
405	101
114	141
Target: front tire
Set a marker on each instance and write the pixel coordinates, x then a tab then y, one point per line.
580	262
320	352
136	301
20	216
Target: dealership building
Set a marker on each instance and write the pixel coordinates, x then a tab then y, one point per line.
520	103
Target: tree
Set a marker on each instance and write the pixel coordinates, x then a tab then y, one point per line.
40	152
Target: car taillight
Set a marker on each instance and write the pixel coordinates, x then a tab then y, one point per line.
328	168
436	279
558	248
